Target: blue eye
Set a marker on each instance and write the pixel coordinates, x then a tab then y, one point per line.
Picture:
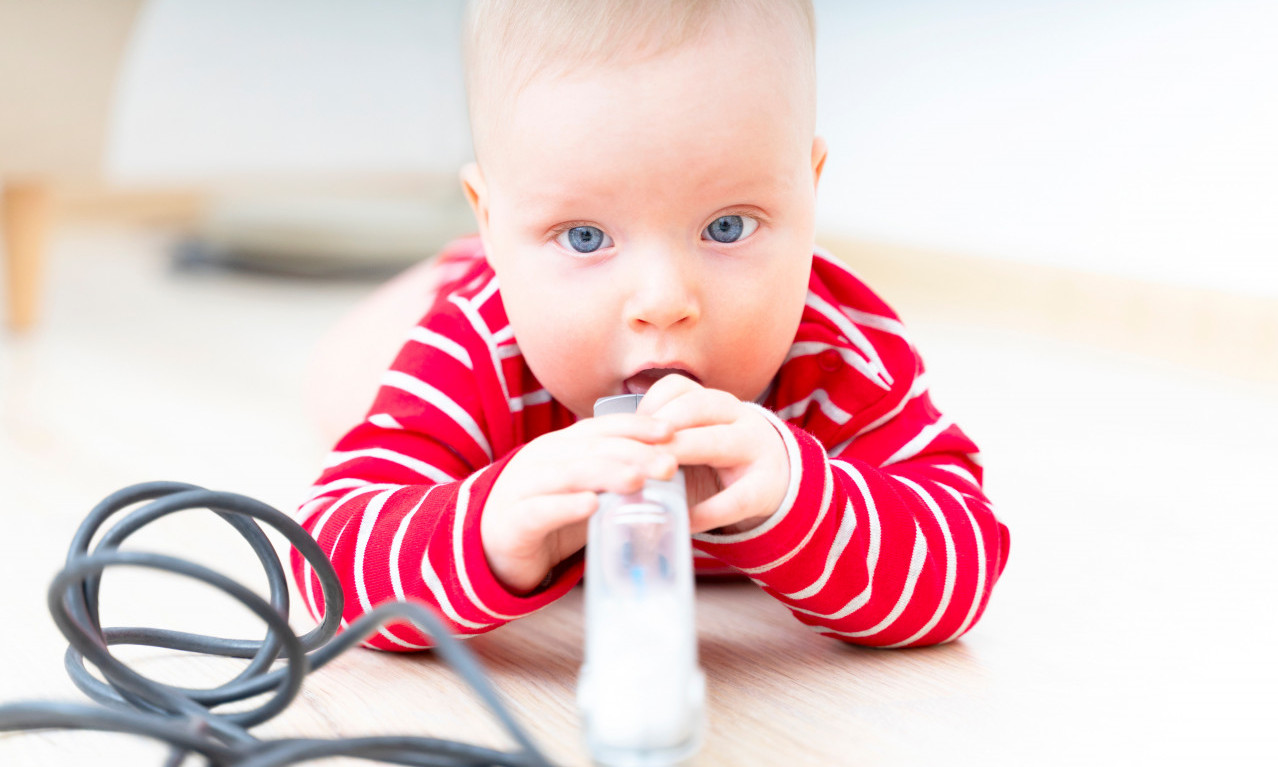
727	229
584	239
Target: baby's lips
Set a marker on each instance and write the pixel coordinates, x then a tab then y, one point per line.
641	382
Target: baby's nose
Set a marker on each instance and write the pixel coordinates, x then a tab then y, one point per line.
663	294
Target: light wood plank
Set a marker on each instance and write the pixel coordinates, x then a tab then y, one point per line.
25	219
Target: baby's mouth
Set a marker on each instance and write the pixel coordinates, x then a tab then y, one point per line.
641	382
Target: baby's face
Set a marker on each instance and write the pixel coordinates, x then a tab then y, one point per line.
654	217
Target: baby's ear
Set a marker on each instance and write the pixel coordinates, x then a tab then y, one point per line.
818	160
472	181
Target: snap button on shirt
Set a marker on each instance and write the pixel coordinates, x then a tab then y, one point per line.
829	360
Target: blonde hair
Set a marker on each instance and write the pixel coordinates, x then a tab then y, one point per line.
508	43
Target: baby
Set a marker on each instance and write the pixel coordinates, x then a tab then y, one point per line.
644	187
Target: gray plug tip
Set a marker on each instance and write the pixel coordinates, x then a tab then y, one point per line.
620	403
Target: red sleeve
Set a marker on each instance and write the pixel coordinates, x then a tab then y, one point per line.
885	537
890	556
397	507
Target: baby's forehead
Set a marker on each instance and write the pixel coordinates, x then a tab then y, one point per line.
512	44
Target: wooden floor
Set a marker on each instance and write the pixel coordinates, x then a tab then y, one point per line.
1134	624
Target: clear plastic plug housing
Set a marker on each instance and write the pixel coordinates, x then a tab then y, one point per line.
641	692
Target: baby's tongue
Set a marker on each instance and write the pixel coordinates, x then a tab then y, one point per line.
641	382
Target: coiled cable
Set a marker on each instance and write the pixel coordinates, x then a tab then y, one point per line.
185	718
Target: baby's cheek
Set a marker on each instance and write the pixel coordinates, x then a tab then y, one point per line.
572	365
755	364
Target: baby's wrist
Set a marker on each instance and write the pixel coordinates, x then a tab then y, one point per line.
513	579
778	465
741	526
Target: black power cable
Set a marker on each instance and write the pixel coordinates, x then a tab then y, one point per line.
186	718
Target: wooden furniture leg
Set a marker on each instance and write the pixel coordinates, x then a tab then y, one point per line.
24	218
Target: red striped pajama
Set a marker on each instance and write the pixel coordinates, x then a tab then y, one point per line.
884	538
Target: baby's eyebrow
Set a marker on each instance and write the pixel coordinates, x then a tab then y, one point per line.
554	203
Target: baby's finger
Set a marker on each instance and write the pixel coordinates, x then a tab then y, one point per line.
614	465
643	428
666	389
699	407
745	499
539	515
720	446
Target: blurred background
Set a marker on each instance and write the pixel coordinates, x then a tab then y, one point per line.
213	184
194	192
1072	205
1073	164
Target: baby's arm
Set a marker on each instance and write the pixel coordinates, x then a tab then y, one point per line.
890	542
396	523
400	504
536	515
397	507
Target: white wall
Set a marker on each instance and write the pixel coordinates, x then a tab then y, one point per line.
1137	137
217	89
1129	136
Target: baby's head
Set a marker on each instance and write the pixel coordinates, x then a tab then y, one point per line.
645	185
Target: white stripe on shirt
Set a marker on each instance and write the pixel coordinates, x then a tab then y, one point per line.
486	293
841	539
871	555
917	389
827	406
443	343
539	397
344	483
920	441
366	524
459	519
980	566
951	565
872	365
469	309
429	394
827	496
876	321
433	473
508	351
385	421
959	472
429	576
507	333
309	591
800	349
917	558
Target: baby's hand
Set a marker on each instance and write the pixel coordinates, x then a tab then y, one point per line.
536	515
736	465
